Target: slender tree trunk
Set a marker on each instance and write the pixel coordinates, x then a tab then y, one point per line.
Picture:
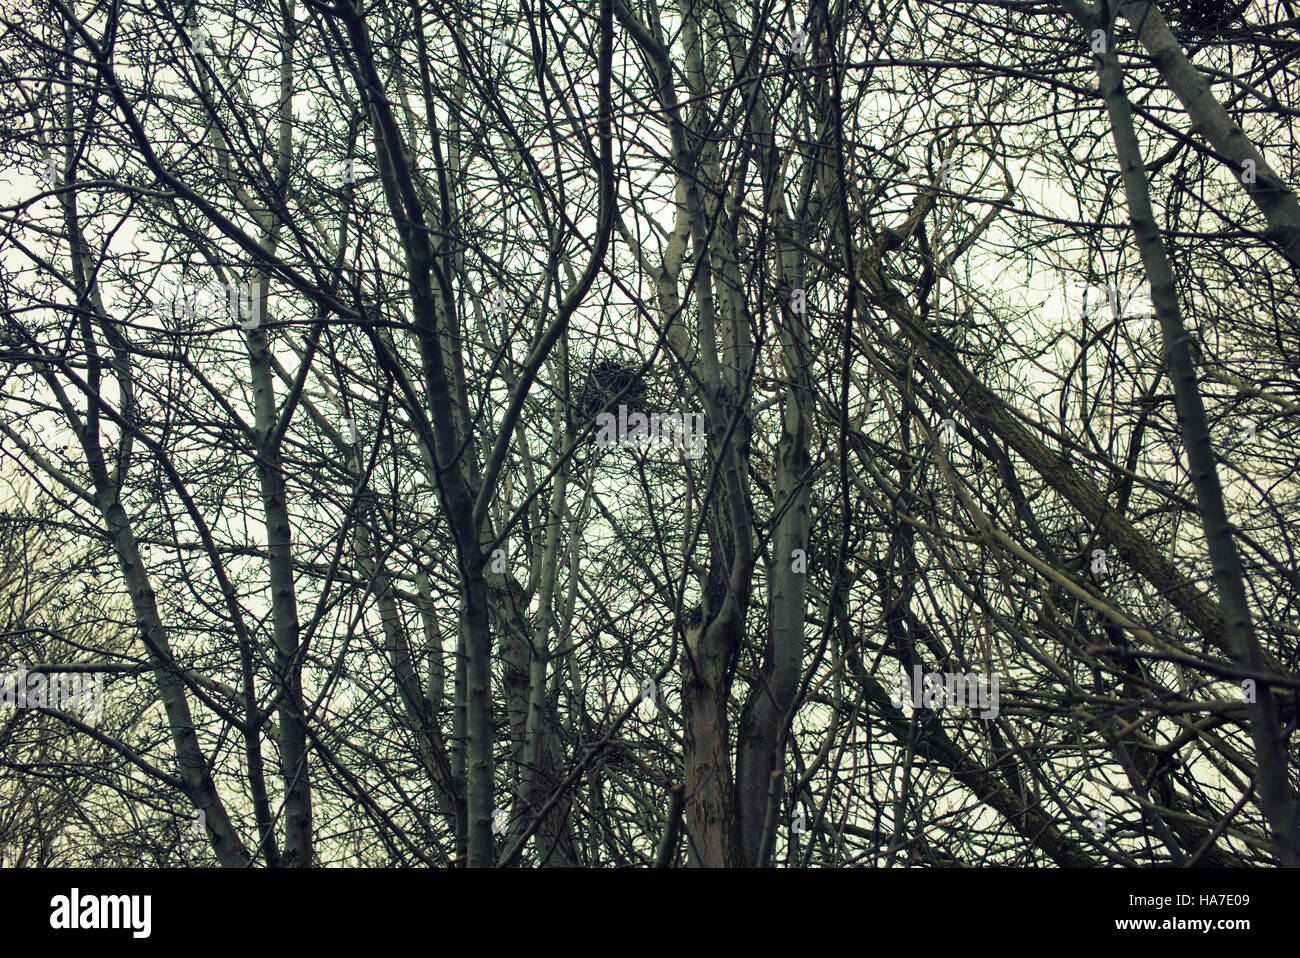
294	762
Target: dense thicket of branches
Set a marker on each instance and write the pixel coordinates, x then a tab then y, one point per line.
309	312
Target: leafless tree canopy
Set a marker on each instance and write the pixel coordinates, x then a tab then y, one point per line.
968	332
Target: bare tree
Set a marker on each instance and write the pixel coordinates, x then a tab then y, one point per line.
335	335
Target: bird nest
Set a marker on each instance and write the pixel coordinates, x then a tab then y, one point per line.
1205	18
609	383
